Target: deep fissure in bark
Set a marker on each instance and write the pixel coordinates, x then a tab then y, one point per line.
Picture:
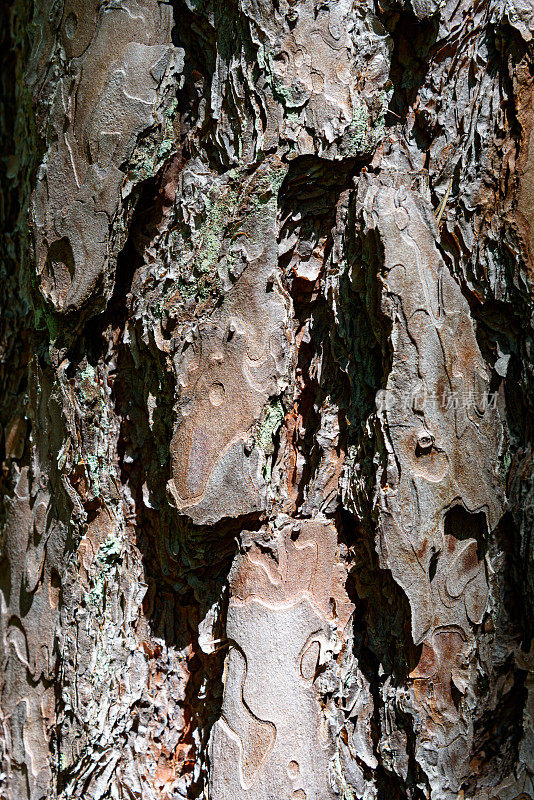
258	256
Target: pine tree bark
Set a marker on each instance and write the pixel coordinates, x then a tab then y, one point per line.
266	400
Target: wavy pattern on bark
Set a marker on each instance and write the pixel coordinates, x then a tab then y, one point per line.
265	400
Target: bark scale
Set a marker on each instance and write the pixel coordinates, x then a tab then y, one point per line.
266	400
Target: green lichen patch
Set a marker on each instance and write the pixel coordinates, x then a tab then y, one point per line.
367	128
269	425
205	252
267	428
109	552
107	558
89	452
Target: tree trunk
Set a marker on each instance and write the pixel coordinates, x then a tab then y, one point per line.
267	389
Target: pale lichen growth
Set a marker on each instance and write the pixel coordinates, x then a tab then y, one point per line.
267	429
107	558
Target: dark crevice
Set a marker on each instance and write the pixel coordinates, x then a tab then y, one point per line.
464	524
21	149
513	583
196	36
385	635
506	50
413	41
382	644
221	32
186	566
151	201
498	732
433	565
308	203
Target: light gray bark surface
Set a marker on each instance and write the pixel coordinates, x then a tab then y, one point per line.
266	400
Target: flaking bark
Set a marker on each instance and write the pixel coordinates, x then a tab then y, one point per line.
266	400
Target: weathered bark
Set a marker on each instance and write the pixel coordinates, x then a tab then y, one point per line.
266	400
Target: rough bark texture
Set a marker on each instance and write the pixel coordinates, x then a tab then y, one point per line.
266	381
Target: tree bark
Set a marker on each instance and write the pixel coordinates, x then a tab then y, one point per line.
266	400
